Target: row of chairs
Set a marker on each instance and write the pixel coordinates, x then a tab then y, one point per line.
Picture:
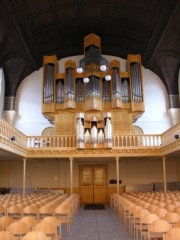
64	213
34	235
145	218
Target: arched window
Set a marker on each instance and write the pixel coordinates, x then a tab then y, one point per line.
2	91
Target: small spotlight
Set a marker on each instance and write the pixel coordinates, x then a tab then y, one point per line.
13	138
176	136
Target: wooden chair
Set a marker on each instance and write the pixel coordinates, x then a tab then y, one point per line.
5	221
30	221
137	221
161	212
62	212
46	227
55	222
173	234
14	211
18	229
2	211
158	229
172	218
45	211
30	211
35	235
6	235
145	222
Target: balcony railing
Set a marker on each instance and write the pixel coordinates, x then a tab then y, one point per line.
11	137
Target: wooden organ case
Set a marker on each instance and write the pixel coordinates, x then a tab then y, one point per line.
96	111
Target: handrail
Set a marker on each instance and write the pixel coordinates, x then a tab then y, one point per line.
56	141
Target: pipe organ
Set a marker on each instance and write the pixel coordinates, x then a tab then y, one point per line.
95	111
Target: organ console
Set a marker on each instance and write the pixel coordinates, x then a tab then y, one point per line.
96	110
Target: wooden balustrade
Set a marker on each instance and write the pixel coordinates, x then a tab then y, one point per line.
166	141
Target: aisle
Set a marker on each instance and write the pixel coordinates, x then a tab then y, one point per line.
97	225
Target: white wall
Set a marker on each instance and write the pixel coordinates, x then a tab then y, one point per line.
30	120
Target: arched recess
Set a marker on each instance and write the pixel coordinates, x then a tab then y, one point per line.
48	131
137	130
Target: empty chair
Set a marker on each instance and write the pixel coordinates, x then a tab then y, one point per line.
55	222
18	229
30	211
6	235
173	234
2	211
30	221
5	221
14	211
49	229
177	210
158	229
35	235
45	211
145	222
172	218
64	215
137	221
170	207
152	208
161	212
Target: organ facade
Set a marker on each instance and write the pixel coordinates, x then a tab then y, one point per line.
96	109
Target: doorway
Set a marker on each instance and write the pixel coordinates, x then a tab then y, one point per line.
93	183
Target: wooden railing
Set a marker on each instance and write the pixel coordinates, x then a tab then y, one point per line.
9	136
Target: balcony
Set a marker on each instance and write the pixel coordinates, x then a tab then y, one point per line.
56	146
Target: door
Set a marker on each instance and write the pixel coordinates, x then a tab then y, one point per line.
93	183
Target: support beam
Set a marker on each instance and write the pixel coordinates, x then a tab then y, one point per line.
117	173
164	175
24	177
71	176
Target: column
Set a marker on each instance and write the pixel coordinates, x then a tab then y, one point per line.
24	177
117	173
164	174
71	176
9	112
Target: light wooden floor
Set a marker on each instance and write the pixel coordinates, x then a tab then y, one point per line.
96	225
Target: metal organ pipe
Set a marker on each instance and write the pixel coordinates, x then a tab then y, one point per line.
94	132
136	82
108	130
80	130
48	83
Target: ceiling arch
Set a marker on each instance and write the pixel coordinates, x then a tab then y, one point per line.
37	28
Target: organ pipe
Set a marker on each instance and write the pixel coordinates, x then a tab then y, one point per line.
125	91
106	91
108	130
69	84
136	82
94	132
59	91
48	83
79	90
80	130
93	87
116	89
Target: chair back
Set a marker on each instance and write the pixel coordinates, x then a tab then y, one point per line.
35	235
173	234
5	221
18	228
6	235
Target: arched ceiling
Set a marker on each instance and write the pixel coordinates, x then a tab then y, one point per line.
31	29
